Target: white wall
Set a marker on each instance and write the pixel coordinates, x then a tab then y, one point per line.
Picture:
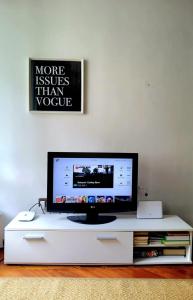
138	93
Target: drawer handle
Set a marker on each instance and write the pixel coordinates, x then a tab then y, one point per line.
108	238
33	237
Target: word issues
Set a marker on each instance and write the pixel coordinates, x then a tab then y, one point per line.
50	86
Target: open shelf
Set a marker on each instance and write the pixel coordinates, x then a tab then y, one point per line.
155	253
162	260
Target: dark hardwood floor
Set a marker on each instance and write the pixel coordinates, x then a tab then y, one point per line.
164	271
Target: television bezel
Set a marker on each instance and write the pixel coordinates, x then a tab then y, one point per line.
91	207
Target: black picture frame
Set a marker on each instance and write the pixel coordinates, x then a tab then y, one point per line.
56	85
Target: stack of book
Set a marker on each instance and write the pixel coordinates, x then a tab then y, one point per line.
178	238
155	238
141	238
181	251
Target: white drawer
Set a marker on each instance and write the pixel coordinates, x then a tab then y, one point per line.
68	247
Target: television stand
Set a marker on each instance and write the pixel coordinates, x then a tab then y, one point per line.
92	218
53	239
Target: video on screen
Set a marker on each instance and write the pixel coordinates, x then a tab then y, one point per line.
93	176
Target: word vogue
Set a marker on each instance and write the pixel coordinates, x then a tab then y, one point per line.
56	85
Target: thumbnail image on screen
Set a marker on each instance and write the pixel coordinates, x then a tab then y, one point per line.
93	176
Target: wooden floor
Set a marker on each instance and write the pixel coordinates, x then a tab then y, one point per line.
164	271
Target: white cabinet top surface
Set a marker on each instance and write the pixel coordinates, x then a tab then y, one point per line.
55	221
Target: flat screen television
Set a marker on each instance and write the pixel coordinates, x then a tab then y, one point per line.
92	184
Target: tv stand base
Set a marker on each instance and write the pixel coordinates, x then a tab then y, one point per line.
87	219
54	239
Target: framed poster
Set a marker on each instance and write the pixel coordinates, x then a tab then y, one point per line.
56	85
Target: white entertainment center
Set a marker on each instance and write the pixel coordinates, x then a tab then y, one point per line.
53	239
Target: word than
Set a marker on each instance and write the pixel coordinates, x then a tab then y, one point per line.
49	91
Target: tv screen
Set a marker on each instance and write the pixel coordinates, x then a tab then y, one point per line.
91	183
